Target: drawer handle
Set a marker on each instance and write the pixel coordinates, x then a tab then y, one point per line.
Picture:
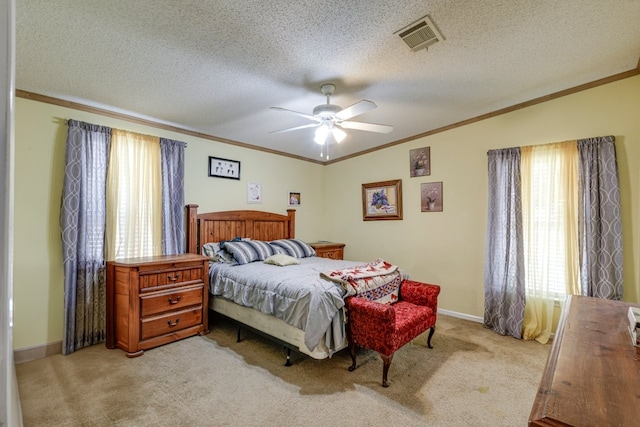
175	301
173	323
175	277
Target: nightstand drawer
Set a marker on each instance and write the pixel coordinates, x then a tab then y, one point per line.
161	302
172	322
328	249
169	277
333	254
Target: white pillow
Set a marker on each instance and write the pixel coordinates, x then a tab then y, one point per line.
281	260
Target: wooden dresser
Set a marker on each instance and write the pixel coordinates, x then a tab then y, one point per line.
156	300
328	249
592	376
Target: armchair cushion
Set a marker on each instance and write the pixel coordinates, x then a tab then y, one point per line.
386	328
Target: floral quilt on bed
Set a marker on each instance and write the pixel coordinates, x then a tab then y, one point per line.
375	281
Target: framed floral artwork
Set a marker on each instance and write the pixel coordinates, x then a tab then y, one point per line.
382	200
431	197
420	162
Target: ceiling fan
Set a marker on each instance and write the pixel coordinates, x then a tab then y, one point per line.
330	118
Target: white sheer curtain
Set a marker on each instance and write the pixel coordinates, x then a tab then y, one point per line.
134	192
550	197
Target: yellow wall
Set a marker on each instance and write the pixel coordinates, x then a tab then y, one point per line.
445	248
448	248
40	150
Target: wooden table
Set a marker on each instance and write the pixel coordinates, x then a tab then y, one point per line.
592	376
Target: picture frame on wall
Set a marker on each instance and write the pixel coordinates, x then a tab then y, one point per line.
420	162
294	198
382	200
224	168
254	192
431	197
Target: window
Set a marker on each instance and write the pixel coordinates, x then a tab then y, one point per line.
134	196
550	219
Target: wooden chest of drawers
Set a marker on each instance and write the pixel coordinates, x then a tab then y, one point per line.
156	300
591	376
328	249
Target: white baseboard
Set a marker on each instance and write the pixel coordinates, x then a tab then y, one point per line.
41	351
37	352
464	316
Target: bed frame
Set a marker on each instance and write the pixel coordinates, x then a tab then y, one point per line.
216	226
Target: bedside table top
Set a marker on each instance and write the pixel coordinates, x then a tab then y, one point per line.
325	244
158	259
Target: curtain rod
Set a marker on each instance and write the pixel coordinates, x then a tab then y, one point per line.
66	122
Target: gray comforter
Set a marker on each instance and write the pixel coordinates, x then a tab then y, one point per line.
295	294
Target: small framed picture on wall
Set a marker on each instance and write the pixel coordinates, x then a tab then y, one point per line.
254	192
431	197
294	198
420	162
224	168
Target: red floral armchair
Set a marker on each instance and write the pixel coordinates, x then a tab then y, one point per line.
385	328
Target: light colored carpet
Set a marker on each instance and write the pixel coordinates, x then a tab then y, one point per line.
472	376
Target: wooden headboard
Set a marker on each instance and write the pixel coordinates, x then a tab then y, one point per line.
216	226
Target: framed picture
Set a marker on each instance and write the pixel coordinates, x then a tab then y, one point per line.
420	162
382	200
254	192
431	197
224	168
294	198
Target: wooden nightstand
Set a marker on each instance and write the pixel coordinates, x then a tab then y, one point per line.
156	300
328	249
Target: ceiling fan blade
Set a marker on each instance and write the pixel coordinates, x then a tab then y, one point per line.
297	113
310	125
370	127
356	109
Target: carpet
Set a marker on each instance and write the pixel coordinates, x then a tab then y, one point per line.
472	376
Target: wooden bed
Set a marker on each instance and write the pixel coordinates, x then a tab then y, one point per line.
266	226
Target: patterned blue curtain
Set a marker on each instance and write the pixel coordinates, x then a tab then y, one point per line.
600	220
82	221
504	281
173	221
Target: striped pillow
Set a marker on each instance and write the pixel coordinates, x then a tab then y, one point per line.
249	251
293	247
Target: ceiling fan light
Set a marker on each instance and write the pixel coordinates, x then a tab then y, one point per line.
338	134
321	135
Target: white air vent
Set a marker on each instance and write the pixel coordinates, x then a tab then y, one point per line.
420	35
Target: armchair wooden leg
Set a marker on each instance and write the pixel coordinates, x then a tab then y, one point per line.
386	362
352	352
433	329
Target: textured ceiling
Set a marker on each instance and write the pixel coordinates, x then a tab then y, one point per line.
216	67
